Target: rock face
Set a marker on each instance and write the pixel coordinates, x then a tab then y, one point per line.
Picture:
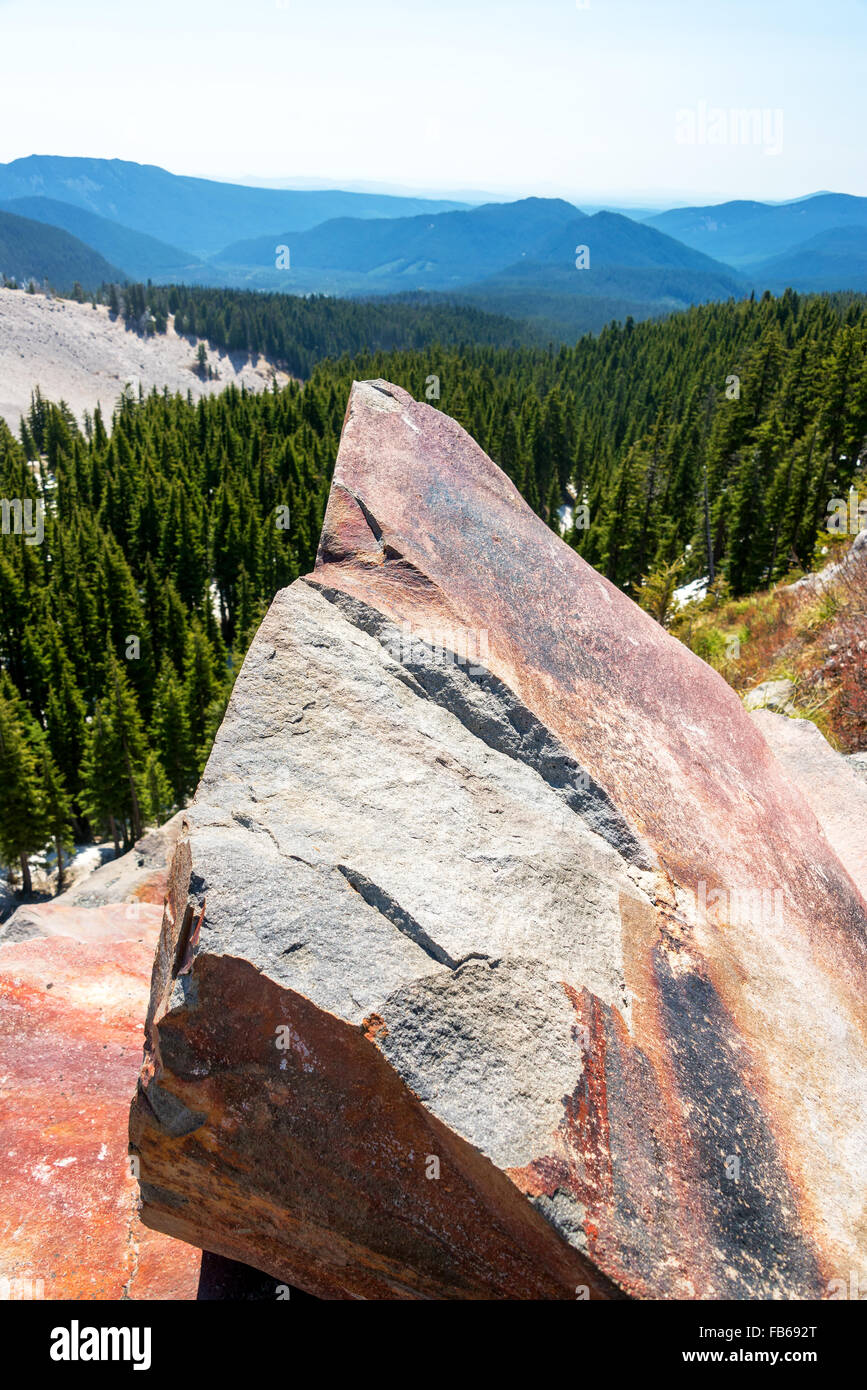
829	783
773	695
141	876
73	994
815	582
501	959
858	763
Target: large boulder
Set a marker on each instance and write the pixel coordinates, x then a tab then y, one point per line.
501	958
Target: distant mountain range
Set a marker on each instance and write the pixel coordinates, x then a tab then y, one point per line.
199	214
456	247
429	251
520	258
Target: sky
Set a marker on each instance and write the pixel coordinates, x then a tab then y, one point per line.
640	102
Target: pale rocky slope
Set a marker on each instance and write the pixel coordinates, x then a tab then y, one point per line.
81	355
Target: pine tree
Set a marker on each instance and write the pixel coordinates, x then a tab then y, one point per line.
158	793
115	758
172	733
102	778
24	816
201	682
656	594
58	809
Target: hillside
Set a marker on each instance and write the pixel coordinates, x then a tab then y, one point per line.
81	355
833	259
200	215
297	331
808	637
31	251
586	301
142	257
615	240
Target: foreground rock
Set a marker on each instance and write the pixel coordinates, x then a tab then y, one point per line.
506	975
73	994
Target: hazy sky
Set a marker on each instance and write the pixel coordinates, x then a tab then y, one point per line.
630	99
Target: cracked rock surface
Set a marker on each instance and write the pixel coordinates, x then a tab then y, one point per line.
494	934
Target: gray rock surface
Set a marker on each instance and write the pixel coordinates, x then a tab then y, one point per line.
826	779
773	695
858	764
434	848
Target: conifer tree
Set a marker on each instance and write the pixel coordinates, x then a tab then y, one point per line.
172	733
157	792
58	808
24	816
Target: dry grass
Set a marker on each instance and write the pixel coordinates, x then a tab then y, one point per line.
815	639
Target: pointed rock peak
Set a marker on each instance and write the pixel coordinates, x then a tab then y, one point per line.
511	931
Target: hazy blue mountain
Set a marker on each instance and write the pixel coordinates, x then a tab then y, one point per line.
445	249
454	249
32	251
142	256
200	215
745	233
615	240
831	260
